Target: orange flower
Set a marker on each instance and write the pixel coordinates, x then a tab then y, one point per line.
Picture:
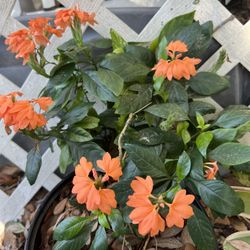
24	116
41	30
66	17
179	209
211	172
44	102
21	43
21	114
145	213
112	167
90	191
175	67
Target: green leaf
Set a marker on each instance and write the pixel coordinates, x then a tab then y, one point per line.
90	150
243	129
122	191
93	85
128	67
76	243
142	54
70	227
219	196
89	122
62	74
146	161
161	52
118	43
233	117
200	120
220	61
76	114
33	164
165	110
111	80
200	107
231	153
197	164
102	43
103	221
65	158
78	134
182	130
202	142
208	83
174	25
134	98
183	166
116	220
100	241
178	95
201	230
222	135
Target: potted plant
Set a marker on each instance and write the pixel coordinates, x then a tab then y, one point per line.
149	158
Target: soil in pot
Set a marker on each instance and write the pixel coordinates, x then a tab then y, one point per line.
61	204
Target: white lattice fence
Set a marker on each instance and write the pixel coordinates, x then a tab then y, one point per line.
230	33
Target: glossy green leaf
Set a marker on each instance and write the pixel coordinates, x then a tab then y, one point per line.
110	80
161	52
92	84
116	220
128	67
231	153
183	166
134	98
200	107
165	110
146	161
118	43
233	117
208	83
219	196
103	221
196	164
78	134
100	241
33	164
173	26
202	142
77	242
220	61
70	227
65	158
201	230
76	114
89	122
177	94
224	134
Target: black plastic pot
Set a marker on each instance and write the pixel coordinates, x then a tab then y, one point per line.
33	241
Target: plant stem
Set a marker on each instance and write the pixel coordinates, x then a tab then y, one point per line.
146	243
130	117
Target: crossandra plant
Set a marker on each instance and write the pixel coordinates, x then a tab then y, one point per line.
131	118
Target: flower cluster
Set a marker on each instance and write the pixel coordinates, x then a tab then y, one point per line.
25	41
67	18
175	67
91	191
21	113
146	208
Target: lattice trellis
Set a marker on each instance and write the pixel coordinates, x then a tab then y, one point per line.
229	32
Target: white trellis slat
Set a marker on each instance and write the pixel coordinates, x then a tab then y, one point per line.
229	33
